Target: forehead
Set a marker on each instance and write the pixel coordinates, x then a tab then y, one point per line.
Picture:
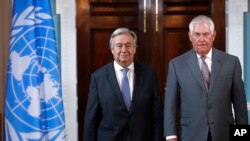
123	36
201	27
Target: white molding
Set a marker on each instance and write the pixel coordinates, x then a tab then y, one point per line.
234	27
66	10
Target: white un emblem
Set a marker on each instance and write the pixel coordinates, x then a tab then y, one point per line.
34	92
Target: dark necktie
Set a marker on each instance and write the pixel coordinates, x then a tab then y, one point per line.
205	72
125	88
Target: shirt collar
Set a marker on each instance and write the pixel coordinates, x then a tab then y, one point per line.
209	55
119	67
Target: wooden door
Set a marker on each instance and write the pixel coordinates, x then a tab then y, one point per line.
161	26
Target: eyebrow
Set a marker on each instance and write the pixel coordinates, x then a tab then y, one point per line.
202	32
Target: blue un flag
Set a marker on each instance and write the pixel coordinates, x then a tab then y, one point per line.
34	105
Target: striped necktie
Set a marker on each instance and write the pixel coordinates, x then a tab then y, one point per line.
205	72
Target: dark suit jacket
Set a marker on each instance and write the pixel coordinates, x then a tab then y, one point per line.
106	117
199	111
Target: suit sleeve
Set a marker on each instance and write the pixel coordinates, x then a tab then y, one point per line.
157	112
238	96
170	102
92	119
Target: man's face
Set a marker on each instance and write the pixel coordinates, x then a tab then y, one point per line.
123	49
202	38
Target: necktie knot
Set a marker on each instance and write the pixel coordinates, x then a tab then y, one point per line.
203	58
125	71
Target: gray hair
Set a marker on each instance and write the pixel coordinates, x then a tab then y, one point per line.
201	19
121	31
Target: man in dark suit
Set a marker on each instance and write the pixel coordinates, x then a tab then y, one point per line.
203	86
115	115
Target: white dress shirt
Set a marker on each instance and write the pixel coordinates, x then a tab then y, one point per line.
130	75
208	60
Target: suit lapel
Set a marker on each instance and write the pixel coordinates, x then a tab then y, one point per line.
137	85
194	67
216	66
112	80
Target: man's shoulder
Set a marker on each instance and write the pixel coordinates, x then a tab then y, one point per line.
223	55
103	68
184	56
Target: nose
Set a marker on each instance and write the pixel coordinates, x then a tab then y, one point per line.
201	37
124	48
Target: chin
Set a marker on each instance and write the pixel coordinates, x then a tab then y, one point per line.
203	52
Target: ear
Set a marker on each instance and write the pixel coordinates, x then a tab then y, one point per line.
214	34
190	36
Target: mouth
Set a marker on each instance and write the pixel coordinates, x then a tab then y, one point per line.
202	46
124	56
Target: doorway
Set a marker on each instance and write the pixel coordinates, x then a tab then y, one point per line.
161	27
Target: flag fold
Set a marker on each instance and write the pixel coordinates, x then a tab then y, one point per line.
34	105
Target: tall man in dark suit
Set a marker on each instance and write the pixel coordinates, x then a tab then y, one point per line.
200	95
115	115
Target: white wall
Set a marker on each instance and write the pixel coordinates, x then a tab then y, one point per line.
234	28
67	10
